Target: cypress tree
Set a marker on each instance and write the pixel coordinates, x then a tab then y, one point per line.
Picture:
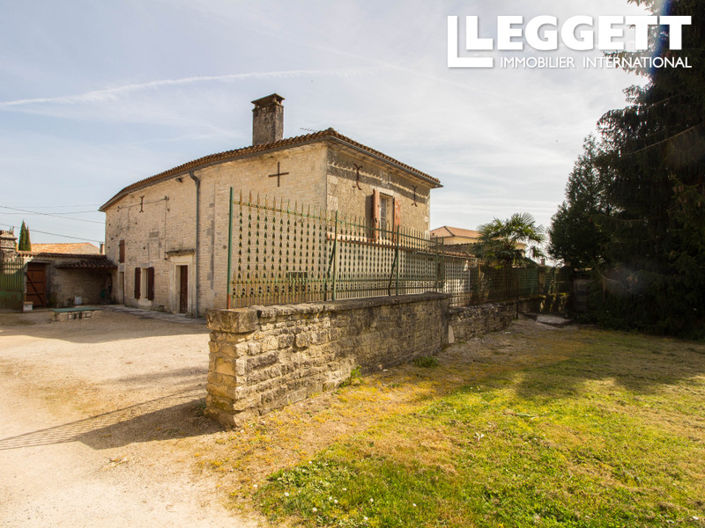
24	243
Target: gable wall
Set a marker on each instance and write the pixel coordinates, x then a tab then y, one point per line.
351	199
162	232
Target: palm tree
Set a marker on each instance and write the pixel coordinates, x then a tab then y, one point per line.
503	241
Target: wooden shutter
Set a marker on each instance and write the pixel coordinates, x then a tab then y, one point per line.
150	284
396	221
376	211
121	251
396	218
138	280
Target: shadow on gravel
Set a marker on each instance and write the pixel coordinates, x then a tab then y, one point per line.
177	415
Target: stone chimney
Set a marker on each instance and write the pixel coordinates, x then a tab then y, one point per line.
267	120
8	245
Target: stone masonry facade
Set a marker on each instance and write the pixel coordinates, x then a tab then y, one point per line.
180	222
263	358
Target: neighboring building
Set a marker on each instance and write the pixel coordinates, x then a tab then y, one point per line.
457	239
169	233
58	275
452	236
80	248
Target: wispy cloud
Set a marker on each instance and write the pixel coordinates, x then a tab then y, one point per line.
110	94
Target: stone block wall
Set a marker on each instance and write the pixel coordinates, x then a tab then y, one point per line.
474	321
262	358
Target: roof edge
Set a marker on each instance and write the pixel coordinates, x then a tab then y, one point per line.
231	155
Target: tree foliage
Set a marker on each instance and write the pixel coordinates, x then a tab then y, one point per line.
634	202
24	243
578	232
503	241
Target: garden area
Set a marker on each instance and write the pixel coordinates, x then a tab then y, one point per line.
535	426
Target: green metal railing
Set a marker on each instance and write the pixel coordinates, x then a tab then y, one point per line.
281	253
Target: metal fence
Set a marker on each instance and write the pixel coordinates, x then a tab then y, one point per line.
281	253
11	283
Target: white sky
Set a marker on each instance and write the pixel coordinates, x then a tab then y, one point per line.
95	95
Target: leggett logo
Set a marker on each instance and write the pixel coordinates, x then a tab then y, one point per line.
578	33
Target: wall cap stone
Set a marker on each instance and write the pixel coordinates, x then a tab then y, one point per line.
272	312
234	321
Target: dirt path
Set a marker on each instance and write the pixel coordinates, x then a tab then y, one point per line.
98	422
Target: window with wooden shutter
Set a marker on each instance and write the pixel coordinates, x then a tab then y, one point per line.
138	282
121	251
150	284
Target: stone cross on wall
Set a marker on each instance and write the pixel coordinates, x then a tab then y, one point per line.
278	174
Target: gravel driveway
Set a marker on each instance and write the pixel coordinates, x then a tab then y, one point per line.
98	418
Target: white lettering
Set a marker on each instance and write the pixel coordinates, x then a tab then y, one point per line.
608	32
472	35
506	32
454	60
549	41
675	29
641	27
586	40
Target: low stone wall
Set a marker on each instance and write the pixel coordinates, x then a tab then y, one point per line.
474	321
262	358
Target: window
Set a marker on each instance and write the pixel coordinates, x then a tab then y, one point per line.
121	251
150	284
385	212
138	282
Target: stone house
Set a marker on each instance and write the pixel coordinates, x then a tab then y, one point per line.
168	233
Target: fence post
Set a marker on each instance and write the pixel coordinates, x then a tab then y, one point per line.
438	265
335	256
397	259
230	249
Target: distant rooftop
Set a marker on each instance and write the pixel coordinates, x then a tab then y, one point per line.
459	232
80	248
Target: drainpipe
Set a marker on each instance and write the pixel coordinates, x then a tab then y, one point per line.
197	181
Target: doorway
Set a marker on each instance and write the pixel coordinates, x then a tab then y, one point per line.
36	284
183	288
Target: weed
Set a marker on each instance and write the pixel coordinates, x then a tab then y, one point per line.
425	361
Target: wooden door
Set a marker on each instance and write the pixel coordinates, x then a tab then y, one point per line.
36	284
183	289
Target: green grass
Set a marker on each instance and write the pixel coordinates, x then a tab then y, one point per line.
425	362
609	434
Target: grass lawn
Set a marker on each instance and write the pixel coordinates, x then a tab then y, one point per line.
536	427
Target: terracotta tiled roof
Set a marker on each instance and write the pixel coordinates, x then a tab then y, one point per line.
89	263
81	248
228	155
448	231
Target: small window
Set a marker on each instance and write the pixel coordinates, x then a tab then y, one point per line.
150	284
138	282
121	251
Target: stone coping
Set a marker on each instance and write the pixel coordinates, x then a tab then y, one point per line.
244	320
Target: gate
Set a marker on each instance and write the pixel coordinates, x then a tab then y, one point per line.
12	283
36	284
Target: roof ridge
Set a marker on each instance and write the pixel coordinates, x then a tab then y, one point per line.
252	149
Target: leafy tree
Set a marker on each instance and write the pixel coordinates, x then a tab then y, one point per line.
648	240
503	241
24	243
578	231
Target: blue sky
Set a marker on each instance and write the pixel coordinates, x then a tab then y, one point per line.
95	95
